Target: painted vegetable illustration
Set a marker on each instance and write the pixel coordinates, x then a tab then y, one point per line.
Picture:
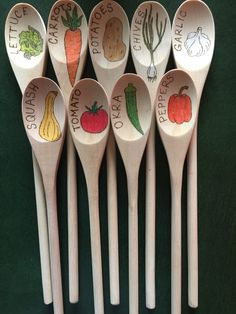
197	43
112	43
49	128
131	106
95	119
149	39
180	107
31	42
72	42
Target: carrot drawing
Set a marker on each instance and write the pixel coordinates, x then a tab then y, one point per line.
72	42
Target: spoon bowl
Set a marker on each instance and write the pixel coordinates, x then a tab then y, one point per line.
89	122
88	117
176	113
44	117
130	97
193	40
150	39
131	114
109	49
67	29
176	122
108	42
28	61
42	106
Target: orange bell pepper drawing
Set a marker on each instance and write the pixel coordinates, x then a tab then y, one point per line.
180	107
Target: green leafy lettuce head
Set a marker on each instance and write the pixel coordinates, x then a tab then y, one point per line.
31	42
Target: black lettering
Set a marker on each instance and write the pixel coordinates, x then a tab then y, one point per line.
118	124
18	15
31	126
162	119
97	15
141	13
109	7
33	87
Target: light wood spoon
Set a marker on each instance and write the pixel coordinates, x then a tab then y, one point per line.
28	61
150	39
176	112
131	114
109	49
44	117
89	122
67	35
193	38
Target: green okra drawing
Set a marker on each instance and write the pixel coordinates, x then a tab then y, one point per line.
131	106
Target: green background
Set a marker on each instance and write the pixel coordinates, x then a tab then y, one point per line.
20	279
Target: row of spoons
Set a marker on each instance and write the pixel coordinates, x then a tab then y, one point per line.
150	47
89	116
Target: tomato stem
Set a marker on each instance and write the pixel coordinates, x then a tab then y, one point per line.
94	108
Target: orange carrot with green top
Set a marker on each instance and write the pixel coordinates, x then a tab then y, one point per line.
72	42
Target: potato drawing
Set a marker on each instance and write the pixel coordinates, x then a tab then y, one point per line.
113	45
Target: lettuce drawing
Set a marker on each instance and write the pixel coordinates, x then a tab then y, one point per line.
31	42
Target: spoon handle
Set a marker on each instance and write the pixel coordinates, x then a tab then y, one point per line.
133	246
112	221
176	186
73	254
192	225
150	218
54	248
42	232
93	199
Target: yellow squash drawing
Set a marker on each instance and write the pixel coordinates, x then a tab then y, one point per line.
49	128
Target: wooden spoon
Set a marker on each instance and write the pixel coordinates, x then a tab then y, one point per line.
176	112
193	38
44	117
109	49
28	62
150	39
131	114
67	36
89	121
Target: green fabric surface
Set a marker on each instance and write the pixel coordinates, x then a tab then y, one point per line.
20	277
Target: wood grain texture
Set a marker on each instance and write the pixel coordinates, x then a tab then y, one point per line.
20	284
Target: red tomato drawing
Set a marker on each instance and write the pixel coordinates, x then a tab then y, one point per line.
94	120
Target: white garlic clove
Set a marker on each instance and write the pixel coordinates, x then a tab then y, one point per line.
197	43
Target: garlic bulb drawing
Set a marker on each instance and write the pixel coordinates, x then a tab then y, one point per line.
197	43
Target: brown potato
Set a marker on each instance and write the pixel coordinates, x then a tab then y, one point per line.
113	45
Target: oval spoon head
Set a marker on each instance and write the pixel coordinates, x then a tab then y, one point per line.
131	112
150	39
44	117
25	39
89	120
193	38
67	36
108	42
176	111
